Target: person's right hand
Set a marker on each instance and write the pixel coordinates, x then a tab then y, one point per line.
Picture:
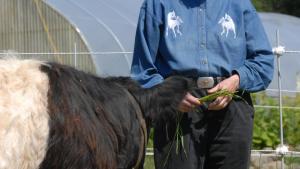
188	103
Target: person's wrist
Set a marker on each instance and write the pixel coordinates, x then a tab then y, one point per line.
236	79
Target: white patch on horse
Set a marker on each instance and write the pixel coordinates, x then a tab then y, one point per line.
174	23
24	127
227	25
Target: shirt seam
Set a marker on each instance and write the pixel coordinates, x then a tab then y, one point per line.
152	16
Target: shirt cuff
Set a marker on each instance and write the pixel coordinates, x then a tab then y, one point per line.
153	81
243	77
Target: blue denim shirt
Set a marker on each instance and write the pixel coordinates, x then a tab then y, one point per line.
201	38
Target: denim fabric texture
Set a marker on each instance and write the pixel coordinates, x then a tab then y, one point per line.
199	38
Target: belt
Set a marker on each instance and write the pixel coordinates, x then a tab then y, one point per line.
208	82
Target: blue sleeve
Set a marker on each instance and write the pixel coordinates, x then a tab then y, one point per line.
146	45
257	71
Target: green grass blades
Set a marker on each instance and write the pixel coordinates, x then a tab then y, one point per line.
213	96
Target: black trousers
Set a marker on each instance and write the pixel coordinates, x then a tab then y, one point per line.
210	139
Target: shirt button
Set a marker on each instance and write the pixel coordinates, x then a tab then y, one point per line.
203	45
200	10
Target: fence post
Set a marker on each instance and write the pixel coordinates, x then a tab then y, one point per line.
279	50
75	55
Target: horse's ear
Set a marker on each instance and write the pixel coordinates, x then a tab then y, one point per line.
227	16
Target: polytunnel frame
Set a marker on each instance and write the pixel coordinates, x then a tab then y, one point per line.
72	24
108	29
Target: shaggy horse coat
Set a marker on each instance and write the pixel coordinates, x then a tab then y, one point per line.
55	117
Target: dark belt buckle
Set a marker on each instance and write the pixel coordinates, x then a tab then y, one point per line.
205	82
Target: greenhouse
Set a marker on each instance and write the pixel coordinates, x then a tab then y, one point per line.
97	36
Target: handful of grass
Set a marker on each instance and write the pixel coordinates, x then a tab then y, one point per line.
213	96
178	138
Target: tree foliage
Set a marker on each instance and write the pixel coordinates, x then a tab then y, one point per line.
290	7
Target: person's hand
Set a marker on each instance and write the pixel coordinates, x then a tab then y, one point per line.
231	84
188	103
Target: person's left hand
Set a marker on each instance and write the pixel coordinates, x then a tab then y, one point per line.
231	84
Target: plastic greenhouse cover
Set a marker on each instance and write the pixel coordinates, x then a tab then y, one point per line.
109	26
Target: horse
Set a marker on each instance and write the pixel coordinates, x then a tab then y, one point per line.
56	117
227	25
174	23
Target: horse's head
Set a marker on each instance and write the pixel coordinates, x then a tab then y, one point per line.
227	17
221	20
172	15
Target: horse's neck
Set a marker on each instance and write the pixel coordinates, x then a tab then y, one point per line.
222	20
169	17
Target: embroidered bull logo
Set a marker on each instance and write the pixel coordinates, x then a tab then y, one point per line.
227	25
174	23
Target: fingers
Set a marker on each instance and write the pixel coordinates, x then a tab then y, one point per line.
215	89
231	84
185	107
192	100
188	103
219	103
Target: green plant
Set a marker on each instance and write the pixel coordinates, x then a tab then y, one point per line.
267	122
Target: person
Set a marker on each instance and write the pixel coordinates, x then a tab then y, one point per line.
221	44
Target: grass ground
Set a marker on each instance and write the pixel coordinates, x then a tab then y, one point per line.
149	163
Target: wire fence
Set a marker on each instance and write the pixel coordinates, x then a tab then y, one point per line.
260	159
279	51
